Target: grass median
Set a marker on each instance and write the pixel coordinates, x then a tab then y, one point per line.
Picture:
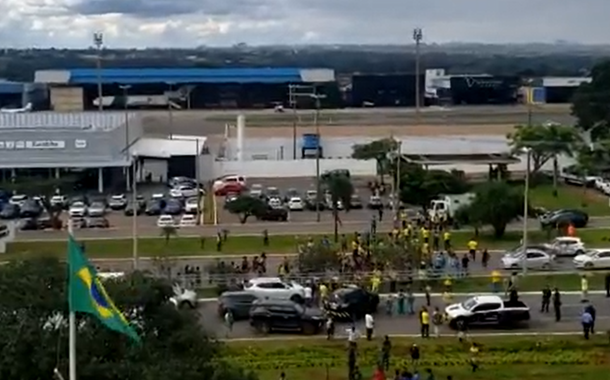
500	357
253	245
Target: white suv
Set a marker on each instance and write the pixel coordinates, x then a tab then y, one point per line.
275	288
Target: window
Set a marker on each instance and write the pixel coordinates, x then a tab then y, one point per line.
604	255
486	307
277	285
534	255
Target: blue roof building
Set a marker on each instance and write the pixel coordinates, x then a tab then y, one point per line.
184	76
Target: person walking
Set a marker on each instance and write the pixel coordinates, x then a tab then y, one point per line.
415	355
557	304
485	258
410	302
400	303
229	320
386	349
425	323
591	310
474	357
369	323
330	328
472	249
546	299
437	321
427	291
586	320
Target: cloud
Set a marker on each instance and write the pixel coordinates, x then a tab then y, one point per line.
188	23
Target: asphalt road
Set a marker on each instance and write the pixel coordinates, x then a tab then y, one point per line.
572	307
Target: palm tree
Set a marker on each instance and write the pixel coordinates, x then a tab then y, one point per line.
560	140
340	189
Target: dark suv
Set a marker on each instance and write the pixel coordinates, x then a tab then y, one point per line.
274	214
238	303
274	315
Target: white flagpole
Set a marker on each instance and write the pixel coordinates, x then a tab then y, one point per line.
72	326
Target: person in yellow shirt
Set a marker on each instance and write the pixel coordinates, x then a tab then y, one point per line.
472	249
425	234
496	281
584	288
447	240
323	292
425	323
474	354
375	283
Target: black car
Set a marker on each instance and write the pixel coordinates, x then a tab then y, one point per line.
173	207
10	211
337	172
30	209
274	214
351	303
97	222
33	224
562	218
274	315
154	207
140	208
238	303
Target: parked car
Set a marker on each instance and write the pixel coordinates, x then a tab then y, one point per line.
487	311
274	214
188	220
256	190
18	199
191	206
229	184
559	218
533	257
566	246
238	303
139	209
172	207
77	210
59	201
274	202
154	207
275	288
337	172
355	202
117	202
375	202
296	204
10	211
96	222
273	315
351	303
593	259
291	193
97	209
166	220
30	209
312	203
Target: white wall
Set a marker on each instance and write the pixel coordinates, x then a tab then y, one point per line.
292	168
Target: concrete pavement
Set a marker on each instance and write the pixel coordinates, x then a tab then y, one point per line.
401	325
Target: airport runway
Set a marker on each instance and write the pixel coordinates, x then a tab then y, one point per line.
571	310
213	122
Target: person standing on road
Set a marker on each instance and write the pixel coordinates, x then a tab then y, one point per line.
485	258
437	321
465	262
591	310
308	290
427	291
369	323
587	321
557	304
400	303
330	328
496	281
410	302
546	299
472	249
229	320
425	323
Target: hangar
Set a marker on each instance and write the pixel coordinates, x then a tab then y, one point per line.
190	88
102	146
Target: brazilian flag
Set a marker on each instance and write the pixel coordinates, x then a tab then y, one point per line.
87	294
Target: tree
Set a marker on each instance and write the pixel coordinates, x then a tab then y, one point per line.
245	206
168	232
591	103
546	141
496	204
341	189
34	336
419	186
378	150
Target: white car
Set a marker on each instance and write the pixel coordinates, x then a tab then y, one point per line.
487	310
58	201
256	190
157	196
275	288
275	202
18	200
183	191
188	220
117	202
165	221
77	210
296	204
191	206
595	258
534	258
183	297
566	246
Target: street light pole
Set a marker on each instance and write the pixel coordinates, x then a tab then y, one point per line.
98	41
170	112
397	186
125	89
417	37
134	207
525	207
318	187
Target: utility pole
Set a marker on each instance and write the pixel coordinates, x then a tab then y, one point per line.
526	191
170	112
98	41
317	98
417	37
125	89
296	91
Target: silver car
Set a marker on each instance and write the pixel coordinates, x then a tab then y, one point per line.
532	257
96	209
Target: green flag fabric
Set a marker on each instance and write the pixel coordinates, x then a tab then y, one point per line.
87	294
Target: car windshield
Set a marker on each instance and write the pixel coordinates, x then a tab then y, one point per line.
78	204
469	303
516	251
591	252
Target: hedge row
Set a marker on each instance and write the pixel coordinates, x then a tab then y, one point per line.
445	355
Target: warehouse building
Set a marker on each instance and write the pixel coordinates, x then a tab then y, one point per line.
100	144
185	88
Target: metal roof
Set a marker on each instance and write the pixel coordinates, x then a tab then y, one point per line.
84	121
166	148
184	75
11	88
473	159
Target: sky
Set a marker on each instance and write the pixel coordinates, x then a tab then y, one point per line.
191	23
